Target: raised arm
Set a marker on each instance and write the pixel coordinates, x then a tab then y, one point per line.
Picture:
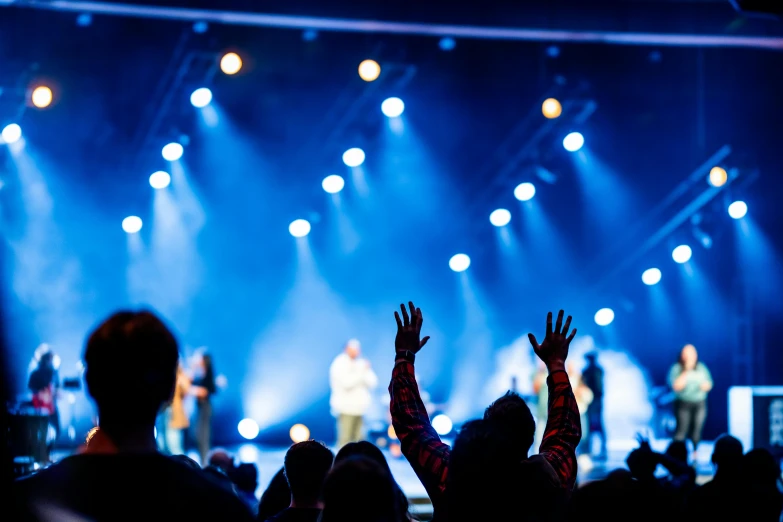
421	445
563	427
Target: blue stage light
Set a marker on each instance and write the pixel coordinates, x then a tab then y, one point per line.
160	179
333	184
172	152
525	191
651	276
12	133
459	262
573	142
682	254
299	228
392	107
201	97
604	317
500	217
248	428
738	209
353	157
131	224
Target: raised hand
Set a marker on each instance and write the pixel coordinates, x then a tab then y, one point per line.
409	330
554	350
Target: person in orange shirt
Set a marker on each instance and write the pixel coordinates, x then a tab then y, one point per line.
177	420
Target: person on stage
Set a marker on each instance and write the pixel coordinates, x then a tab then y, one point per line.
351	379
691	381
203	387
176	419
593	378
44	383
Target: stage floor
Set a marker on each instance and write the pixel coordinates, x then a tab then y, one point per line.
270	459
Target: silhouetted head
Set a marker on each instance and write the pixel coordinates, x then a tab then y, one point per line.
727	454
761	468
591	357
642	464
306	466
484	483
353	348
678	449
46	361
275	498
372	452
511	414
359	490
245	477
220	458
131	368
689	357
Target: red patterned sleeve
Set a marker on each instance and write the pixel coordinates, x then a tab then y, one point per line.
563	429
421	445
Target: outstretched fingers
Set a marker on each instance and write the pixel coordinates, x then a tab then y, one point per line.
549	325
405	320
424	341
559	323
567	325
571	337
533	342
399	323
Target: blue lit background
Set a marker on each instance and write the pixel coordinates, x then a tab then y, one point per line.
215	256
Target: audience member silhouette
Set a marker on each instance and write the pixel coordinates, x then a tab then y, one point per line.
762	485
306	466
722	496
245	479
275	498
359	490
555	466
593	378
130	371
371	451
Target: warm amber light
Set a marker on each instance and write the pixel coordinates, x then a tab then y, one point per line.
369	70
231	63
299	433
551	108
718	177
392	434
41	97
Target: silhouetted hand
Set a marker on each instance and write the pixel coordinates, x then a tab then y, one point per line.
644	443
554	350
409	330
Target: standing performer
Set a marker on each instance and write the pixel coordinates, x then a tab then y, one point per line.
203	386
44	382
593	378
351	379
691	382
176	419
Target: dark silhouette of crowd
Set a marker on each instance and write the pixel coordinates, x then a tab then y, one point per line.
486	475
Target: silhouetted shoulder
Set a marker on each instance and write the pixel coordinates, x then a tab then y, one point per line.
108	487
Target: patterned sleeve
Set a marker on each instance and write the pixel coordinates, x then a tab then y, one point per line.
421	445
563	429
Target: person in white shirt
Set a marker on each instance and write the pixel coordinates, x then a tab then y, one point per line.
351	379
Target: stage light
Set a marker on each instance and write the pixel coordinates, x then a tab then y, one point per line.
172	152
11	133
459	263
682	254
551	108
738	209
160	180
392	107
442	424
299	433
41	97
525	191
231	63
447	43
369	70
201	97
391	433
131	224
353	157
573	142
717	177
604	317
248	428
500	217
299	228
651	276
333	184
